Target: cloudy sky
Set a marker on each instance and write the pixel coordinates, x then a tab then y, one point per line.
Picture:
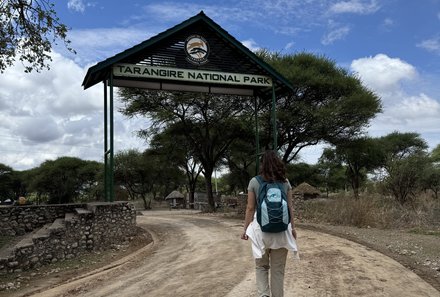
393	45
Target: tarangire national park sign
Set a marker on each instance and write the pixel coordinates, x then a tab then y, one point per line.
191	75
195	56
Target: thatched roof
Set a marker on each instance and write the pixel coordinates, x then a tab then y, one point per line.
305	188
174	194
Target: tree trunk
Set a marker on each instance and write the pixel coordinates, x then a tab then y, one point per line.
355	185
435	191
191	198
147	205
211	203
355	180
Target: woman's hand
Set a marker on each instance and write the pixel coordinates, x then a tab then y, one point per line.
294	233
244	236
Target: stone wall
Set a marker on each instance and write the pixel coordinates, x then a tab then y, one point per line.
298	205
112	222
95	227
18	220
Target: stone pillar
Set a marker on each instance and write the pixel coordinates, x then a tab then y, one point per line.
241	205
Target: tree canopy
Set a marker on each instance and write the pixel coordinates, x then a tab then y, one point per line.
210	123
65	179
6	179
359	155
141	174
328	104
28	28
177	151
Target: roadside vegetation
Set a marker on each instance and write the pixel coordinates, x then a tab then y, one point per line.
376	211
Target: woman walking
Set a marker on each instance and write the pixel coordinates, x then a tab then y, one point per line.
270	245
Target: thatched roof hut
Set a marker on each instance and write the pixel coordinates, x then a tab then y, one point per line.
307	191
176	199
174	194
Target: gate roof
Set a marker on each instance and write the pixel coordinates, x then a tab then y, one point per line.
166	49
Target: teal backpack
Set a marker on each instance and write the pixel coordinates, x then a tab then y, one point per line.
272	208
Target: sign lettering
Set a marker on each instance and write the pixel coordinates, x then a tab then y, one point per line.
201	76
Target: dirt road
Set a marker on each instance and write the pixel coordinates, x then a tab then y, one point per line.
195	255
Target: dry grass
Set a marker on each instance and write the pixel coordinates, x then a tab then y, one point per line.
374	210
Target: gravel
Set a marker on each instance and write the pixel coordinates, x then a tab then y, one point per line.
418	252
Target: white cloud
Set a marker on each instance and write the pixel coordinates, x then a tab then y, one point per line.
281	17
419	113
289	45
335	34
387	24
251	44
287	30
382	73
47	115
179	11
420	106
431	45
76	5
101	43
38	129
389	78
355	6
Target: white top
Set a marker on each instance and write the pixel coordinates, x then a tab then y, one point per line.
264	240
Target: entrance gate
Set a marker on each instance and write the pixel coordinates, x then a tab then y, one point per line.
196	55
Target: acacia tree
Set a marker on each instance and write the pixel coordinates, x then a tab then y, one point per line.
145	173
360	155
328	104
332	171
405	177
435	154
27	30
176	150
240	160
209	123
398	146
431	178
405	162
303	172
65	179
6	182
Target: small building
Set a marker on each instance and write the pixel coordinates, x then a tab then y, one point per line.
306	191
201	200
176	199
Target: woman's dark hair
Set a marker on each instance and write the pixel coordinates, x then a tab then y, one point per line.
272	168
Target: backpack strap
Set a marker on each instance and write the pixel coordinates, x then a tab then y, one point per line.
259	179
262	184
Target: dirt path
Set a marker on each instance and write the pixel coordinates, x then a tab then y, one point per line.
203	256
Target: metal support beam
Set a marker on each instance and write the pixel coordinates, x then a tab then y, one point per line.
106	177
111	163
257	138
274	120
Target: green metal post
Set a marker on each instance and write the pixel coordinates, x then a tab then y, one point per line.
111	165
274	120
257	139
106	179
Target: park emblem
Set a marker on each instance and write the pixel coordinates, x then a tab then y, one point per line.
197	50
